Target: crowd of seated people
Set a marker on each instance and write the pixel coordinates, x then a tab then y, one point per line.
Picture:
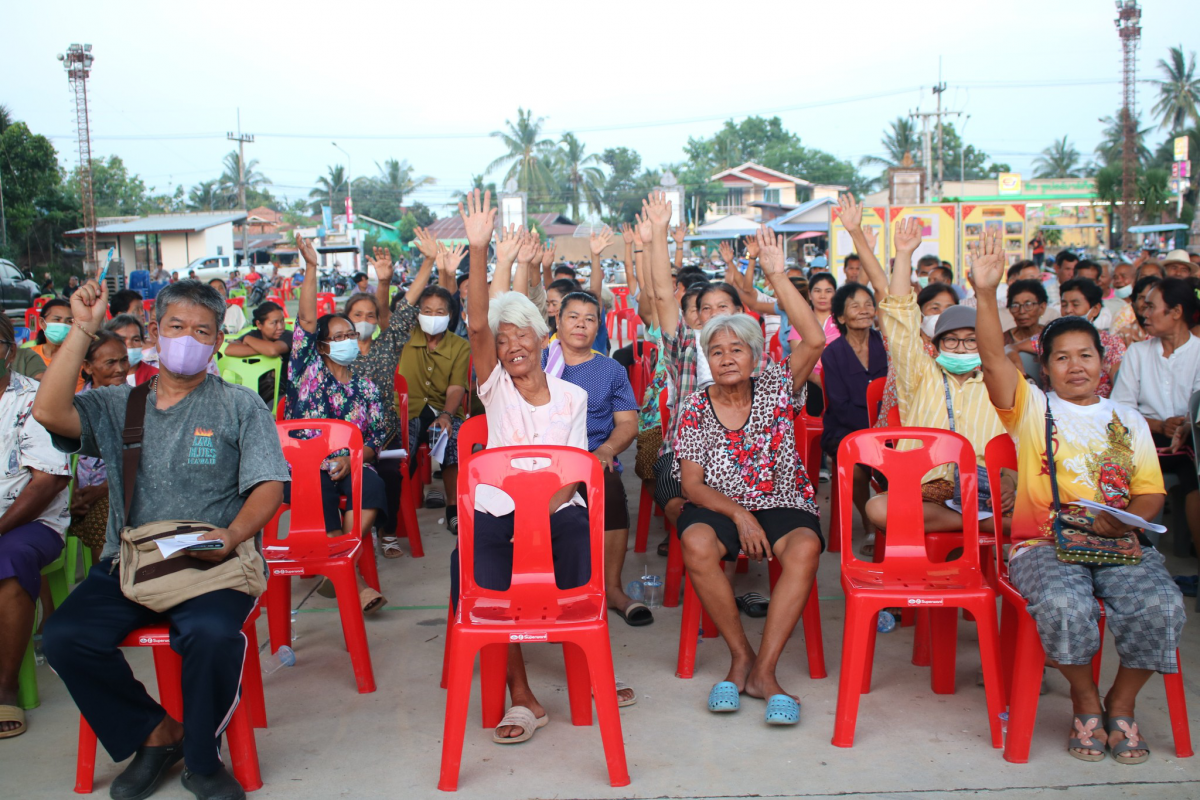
1107	351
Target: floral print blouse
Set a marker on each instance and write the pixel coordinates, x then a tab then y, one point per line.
757	466
379	364
316	394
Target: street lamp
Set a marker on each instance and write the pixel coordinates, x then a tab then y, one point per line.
513	205
349	186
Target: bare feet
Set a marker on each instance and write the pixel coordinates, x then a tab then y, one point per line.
739	670
8	699
765	686
168	732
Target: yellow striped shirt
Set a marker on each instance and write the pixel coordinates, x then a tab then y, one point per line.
921	391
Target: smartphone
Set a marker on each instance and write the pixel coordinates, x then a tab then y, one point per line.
215	544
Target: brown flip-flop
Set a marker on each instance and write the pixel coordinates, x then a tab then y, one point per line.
371	600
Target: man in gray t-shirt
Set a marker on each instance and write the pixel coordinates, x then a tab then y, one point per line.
210	453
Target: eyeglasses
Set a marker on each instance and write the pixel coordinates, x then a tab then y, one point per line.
1028	305
952	343
341	337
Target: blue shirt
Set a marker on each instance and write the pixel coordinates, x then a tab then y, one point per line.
607	385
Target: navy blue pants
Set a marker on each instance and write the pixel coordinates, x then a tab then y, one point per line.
81	643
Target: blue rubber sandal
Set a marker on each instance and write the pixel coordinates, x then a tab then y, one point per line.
724	698
782	710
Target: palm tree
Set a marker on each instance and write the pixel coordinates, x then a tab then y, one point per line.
6	117
1108	190
1059	160
207	196
396	180
529	155
578	175
330	190
1113	142
232	176
900	141
477	182
1179	94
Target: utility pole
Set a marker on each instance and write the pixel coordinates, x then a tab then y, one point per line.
242	140
78	63
1129	30
938	89
927	145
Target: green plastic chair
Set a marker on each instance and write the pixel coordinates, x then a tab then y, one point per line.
247	371
55	573
238	292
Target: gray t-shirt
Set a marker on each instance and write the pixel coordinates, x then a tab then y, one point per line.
200	458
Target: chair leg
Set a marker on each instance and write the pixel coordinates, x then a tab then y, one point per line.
814	644
367	563
493	681
1028	662
458	697
353	627
943	630
85	758
279	611
252	680
858	625
410	495
168	667
1177	706
921	651
689	628
579	689
869	661
989	656
835	527
1008	646
645	506
446	647
598	653
674	568
27	684
243	751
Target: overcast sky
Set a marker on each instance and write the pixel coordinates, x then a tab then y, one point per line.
427	82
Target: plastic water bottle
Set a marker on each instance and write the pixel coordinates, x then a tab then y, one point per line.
283	657
295	614
652	591
1003	723
38	656
634	590
886	622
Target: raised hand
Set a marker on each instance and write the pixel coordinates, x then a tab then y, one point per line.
726	253
658	209
382	264
307	251
627	233
479	218
644	229
508	244
601	240
528	250
679	232
548	254
908	235
426	243
850	212
772	256
987	262
89	305
454	256
869	234
751	246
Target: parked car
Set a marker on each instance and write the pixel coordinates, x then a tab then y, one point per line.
210	267
17	292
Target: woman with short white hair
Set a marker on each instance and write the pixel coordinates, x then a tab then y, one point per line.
524	406
745	486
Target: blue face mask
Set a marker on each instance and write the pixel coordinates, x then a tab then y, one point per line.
56	332
344	352
958	363
1124	292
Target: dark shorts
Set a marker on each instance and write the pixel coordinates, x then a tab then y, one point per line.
666	485
570	546
776	523
616	504
374	496
1181	466
25	550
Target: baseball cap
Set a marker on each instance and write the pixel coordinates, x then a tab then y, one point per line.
952	319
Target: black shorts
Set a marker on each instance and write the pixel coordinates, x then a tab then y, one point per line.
776	523
616	504
374	496
666	485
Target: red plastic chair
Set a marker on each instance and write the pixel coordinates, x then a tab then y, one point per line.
326	304
240	302
533	609
646	498
875	401
905	577
621	295
410	492
308	550
278	300
33	321
623	324
168	666
148	308
1023	657
775	348
287	289
674	578
693	613
40	301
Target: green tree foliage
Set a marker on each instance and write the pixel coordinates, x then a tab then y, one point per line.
1179	92
1059	160
382	196
37	209
115	192
1112	143
901	140
620	189
529	156
330	191
578	176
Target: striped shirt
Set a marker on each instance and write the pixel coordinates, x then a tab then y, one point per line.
921	390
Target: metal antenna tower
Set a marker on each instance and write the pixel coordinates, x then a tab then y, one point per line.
1129	29
78	63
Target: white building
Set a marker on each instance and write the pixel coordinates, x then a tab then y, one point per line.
174	240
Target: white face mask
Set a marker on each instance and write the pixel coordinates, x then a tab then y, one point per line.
365	329
929	324
433	325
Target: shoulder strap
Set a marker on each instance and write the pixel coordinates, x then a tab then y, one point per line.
131	437
949	403
1050	456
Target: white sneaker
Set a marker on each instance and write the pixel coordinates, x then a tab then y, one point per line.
823	476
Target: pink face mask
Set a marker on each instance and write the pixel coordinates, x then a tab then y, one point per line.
184	355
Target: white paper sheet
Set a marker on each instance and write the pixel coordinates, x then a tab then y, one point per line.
438	451
398	453
1122	516
171	545
982	514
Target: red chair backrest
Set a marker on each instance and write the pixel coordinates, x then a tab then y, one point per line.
664	412
875	400
33	321
1000	453
533	586
326	304
305	456
280	409
148	307
281	303
38	302
240	302
904	470
402	409
621	295
776	349
474	431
